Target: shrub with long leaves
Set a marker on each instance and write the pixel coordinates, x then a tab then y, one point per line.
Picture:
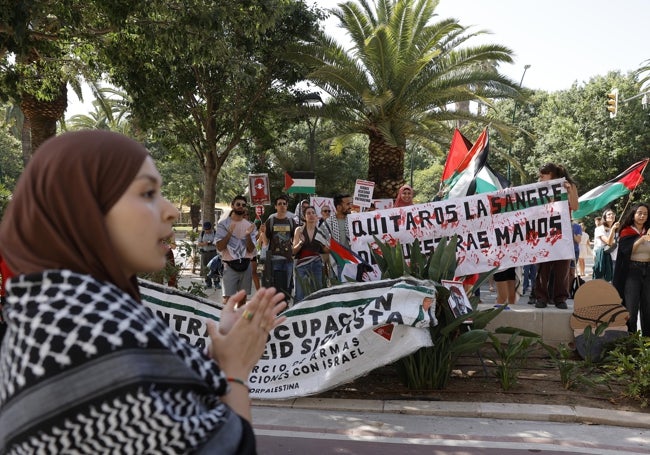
430	368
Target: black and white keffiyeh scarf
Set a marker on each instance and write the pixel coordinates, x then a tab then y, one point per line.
84	368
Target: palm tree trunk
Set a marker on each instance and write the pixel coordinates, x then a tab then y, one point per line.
26	141
385	167
42	115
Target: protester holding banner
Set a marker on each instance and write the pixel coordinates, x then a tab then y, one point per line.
632	274
553	277
308	245
85	366
506	287
337	225
404	196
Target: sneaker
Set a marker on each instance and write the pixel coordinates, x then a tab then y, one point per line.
499	305
532	300
217	286
561	305
540	304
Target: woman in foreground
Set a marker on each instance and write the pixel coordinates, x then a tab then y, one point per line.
85	367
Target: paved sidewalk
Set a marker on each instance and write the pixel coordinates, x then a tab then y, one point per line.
500	411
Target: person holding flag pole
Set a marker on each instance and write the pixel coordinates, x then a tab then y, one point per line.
621	185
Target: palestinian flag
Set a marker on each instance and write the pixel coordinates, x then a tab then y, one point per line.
300	182
488	180
462	182
619	186
460	147
349	266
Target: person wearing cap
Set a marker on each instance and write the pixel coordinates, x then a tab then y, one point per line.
207	250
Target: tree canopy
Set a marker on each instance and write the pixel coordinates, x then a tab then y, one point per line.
400	77
209	71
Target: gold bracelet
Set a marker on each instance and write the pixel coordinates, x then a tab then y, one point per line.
238	381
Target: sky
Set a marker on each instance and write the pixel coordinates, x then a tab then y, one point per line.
563	41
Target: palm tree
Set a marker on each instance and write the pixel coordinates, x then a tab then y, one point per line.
400	79
111	112
644	74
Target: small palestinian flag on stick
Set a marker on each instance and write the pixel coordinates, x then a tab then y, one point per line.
300	182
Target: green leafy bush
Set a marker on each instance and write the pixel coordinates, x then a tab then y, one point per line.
511	356
430	368
628	363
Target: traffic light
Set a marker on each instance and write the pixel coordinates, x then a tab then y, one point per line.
612	103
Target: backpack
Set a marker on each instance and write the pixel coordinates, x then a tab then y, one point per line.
292	226
268	278
575	285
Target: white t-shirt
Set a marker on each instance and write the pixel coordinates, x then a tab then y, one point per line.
602	231
236	247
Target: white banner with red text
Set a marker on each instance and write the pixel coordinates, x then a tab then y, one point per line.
507	228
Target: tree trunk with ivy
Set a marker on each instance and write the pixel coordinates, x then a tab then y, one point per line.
385	166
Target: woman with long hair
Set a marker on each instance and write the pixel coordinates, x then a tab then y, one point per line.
308	249
85	366
604	240
632	274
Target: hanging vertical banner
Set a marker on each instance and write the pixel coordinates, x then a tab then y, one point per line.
259	189
363	193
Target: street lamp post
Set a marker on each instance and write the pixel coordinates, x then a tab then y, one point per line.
514	113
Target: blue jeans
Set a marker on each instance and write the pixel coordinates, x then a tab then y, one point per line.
637	296
282	275
309	278
530	271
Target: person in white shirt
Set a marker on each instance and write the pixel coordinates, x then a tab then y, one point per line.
235	241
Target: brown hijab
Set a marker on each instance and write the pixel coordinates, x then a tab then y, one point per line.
56	217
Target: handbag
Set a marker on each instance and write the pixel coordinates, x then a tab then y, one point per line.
575	285
239	265
611	248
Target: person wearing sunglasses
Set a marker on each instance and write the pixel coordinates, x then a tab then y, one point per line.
235	242
280	229
325	213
